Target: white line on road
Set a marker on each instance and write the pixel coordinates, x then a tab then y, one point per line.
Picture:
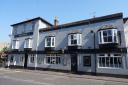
24	80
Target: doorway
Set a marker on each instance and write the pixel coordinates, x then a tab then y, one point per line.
26	60
74	63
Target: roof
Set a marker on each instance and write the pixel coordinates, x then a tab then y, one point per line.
125	19
37	18
85	22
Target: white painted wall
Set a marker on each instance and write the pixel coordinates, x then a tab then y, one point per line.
86	68
61	35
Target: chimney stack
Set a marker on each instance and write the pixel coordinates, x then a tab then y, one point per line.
56	21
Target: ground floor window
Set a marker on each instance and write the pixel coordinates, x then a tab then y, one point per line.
86	60
39	59
53	59
21	58
11	58
32	59
110	61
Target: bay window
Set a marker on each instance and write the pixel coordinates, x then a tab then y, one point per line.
108	36
74	39
50	41
28	43
15	44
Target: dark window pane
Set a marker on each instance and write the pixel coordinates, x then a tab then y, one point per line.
100	61
110	39
86	60
105	39
104	33
72	37
11	60
103	61
111	61
115	39
109	32
107	61
75	41
115	62
72	41
120	62
100	36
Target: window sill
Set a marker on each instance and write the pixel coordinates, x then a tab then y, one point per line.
109	68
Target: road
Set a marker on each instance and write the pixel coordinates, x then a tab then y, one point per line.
26	77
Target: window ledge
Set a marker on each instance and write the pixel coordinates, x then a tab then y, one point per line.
109	68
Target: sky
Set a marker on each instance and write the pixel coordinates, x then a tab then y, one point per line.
14	11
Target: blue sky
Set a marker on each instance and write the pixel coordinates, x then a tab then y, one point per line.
13	11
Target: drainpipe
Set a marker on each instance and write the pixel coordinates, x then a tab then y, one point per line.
94	50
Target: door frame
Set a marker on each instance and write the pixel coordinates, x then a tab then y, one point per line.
74	64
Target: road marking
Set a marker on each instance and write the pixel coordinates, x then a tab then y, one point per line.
26	80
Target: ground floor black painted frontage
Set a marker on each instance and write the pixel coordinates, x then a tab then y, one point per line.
113	62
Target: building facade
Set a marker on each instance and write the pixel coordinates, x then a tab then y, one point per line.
96	45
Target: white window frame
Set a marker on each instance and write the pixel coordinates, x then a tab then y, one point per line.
21	59
53	59
77	37
114	35
15	44
28	43
105	56
51	41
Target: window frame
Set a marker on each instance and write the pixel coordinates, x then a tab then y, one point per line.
50	40
84	61
32	59
53	59
15	44
28	43
110	61
74	39
114	36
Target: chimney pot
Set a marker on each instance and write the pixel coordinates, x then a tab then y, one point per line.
56	21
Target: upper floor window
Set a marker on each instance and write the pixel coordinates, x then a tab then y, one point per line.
50	41
28	43
28	27
74	39
24	28
108	36
15	44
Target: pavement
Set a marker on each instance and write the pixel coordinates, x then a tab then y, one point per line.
36	77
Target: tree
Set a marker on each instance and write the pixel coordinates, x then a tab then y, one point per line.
3	54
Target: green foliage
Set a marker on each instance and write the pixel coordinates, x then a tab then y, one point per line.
5	49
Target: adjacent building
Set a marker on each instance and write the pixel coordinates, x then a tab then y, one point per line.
96	45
